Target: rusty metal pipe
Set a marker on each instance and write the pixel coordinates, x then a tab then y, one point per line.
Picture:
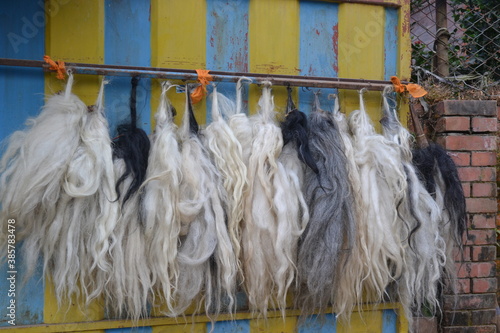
220	76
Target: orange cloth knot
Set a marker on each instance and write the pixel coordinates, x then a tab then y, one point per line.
414	89
203	78
56	66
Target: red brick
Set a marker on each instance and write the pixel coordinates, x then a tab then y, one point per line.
457	318
453	124
481	205
483	221
481	237
468	142
467	108
476	269
483	189
470	329
471	301
461	286
484	285
484	317
460	159
482	124
483	253
485	174
483	158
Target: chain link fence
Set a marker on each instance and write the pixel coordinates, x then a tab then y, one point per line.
456	48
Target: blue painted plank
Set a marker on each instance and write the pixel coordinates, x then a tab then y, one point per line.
127	42
21	89
391	43
318	48
236	326
389	321
22	36
319	324
147	329
227	41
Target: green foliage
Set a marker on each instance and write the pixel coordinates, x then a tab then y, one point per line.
479	21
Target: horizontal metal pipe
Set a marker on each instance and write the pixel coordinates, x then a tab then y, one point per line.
219	76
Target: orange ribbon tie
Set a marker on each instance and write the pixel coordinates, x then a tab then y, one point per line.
56	66
203	78
414	89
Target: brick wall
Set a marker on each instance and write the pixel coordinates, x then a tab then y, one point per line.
468	130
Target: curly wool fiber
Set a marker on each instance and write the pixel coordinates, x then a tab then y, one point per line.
425	254
351	289
260	229
294	128
129	284
383	185
132	145
77	241
226	153
159	203
240	123
34	166
202	210
329	236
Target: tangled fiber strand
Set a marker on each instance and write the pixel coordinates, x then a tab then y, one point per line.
226	153
132	145
383	185
328	238
159	204
294	129
425	252
240	124
205	258
87	214
130	282
292	213
439	173
260	231
33	168
351	280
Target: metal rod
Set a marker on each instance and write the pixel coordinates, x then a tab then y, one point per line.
220	76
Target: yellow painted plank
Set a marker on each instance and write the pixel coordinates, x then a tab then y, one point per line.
75	33
273	44
73	311
187	321
361	53
182	328
178	33
365	322
274	325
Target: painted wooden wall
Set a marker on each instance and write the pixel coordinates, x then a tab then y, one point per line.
310	38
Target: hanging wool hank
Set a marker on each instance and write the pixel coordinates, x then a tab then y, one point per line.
292	213
130	282
206	258
350	282
383	185
159	203
226	153
87	214
260	231
328	238
240	123
439	174
425	247
32	172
